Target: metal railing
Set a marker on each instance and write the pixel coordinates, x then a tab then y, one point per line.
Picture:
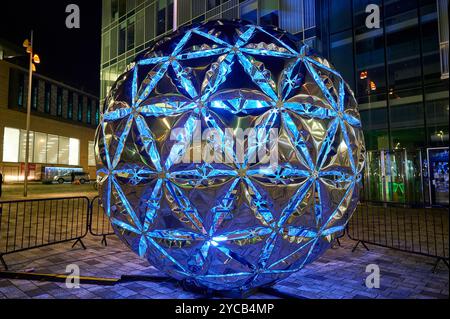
418	230
99	224
29	224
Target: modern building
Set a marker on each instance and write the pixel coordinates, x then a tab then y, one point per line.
63	122
130	26
399	72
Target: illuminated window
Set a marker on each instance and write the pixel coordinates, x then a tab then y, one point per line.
63	150
44	148
91	153
23	146
11	139
52	149
74	151
40	148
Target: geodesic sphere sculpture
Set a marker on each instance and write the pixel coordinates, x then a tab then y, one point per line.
233	222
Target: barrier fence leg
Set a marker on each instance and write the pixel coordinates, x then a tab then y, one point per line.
3	262
336	243
437	263
357	244
81	243
104	242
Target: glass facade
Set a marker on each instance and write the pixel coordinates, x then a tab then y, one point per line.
394	70
130	26
397	71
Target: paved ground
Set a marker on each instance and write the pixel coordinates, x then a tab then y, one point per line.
39	190
338	274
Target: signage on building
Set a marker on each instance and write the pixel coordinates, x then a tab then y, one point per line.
438	174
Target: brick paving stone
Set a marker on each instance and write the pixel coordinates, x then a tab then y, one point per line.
338	274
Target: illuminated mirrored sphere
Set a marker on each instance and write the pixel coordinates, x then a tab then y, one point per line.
238	223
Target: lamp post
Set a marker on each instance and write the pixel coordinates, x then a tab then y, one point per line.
175	15
34	58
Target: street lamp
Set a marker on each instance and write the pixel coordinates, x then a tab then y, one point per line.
34	58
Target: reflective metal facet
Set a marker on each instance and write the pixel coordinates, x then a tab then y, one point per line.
235	224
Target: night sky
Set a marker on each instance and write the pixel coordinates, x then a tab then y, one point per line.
71	56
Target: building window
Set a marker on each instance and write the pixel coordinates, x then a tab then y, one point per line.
161	18
122	38
52	149
140	28
80	109
40	148
430	43
437	112
443	36
150	22
11	137
74	152
59	98
122	7
403	48
89	112
249	11
211	4
341	53
130	34
70	106
91	154
97	114
374	117
23	146
47	98
407	119
63	150
269	13
343	10
21	90
35	95
115	9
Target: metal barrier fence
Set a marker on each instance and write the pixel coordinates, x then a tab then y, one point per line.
29	224
99	224
422	231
